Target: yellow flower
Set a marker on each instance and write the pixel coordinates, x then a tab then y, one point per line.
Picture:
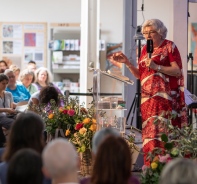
68	107
51	116
67	132
93	127
93	120
86	120
82	130
154	165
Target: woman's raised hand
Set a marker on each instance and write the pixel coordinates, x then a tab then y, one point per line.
119	57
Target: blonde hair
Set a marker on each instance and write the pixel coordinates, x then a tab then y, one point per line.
49	75
14	68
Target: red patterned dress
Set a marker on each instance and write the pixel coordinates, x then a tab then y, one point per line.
159	93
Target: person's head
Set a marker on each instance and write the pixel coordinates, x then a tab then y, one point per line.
25	167
100	135
180	170
16	70
3	81
27	77
112	162
155	29
31	66
3	66
10	74
60	159
26	132
42	75
48	93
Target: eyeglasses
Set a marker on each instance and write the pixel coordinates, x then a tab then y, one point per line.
150	32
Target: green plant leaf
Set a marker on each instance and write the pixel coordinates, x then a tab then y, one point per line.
164	138
168	146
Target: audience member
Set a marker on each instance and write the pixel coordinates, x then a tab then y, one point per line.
43	78
26	132
16	71
117	156
19	92
100	135
44	96
31	66
60	162
25	167
179	171
27	77
7	112
3	66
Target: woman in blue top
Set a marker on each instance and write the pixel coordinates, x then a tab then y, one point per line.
19	92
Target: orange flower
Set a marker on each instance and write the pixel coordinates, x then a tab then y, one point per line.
93	120
51	116
156	159
93	127
61	109
86	120
67	132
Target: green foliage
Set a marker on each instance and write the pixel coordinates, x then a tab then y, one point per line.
178	142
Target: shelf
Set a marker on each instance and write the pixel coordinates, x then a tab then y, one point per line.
77	71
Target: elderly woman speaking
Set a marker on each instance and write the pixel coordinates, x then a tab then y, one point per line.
19	92
162	88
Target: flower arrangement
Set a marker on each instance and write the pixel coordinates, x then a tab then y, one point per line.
178	142
77	123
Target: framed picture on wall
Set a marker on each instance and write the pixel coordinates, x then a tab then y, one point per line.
193	45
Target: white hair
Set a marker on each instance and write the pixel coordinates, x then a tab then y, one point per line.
59	158
180	170
26	72
8	71
49	75
158	26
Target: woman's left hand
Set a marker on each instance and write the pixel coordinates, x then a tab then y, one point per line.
151	64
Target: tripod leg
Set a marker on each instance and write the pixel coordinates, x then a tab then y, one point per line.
132	105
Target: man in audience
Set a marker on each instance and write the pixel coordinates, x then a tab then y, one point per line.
32	66
60	162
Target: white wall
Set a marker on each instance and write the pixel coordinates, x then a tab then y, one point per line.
50	11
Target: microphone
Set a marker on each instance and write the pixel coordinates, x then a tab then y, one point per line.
149	48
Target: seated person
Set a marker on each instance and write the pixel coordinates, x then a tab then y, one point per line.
25	167
16	71
3	66
43	97
43	78
7	112
19	92
27	78
31	66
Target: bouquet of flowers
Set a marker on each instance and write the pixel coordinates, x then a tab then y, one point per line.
71	121
178	142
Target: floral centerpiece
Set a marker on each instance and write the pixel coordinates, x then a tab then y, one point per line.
178	142
72	121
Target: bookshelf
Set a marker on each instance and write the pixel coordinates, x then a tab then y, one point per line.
65	55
